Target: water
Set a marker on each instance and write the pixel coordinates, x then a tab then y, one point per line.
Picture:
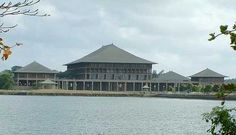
57	115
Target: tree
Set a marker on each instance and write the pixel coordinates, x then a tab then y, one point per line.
6	80
207	89
18	8
215	88
223	123
221	118
14	68
154	74
196	88
228	32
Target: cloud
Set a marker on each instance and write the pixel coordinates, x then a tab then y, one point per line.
172	33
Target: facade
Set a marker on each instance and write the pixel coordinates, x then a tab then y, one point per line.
32	74
207	76
109	68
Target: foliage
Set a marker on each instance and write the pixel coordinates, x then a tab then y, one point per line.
6	49
207	89
14	68
18	8
6	80
154	74
172	89
186	87
215	88
228	32
222	120
196	88
68	74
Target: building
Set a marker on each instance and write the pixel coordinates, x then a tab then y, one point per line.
207	76
169	80
109	68
32	74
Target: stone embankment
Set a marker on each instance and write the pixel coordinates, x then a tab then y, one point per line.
52	92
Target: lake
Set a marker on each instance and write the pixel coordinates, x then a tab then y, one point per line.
74	115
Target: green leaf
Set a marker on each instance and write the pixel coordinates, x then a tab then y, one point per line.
223	29
212	36
234	26
232	38
234	47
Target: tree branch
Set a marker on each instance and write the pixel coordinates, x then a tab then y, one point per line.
19	8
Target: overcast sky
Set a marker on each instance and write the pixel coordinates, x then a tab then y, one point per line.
169	32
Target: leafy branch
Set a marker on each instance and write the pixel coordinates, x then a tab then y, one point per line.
19	8
6	49
12	9
225	31
221	118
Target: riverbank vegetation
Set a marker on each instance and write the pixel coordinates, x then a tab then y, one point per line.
222	118
6	80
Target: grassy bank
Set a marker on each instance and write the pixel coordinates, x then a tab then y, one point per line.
54	92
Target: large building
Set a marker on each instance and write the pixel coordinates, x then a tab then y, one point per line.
207	76
32	74
109	68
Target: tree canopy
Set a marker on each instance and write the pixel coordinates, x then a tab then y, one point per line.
6	80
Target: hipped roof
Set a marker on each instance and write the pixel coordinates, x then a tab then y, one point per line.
207	73
171	76
35	67
111	54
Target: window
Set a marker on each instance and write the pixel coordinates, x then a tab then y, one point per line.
129	77
105	76
137	77
145	77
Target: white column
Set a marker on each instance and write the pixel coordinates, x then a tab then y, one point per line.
100	86
92	85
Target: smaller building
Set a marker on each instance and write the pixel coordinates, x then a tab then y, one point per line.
207	76
169	80
48	84
32	74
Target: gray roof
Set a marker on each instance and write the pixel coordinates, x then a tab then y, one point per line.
111	54
35	67
207	73
172	77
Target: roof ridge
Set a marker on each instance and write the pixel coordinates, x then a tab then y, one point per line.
207	73
35	67
111	54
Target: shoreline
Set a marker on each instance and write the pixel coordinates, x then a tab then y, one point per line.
54	92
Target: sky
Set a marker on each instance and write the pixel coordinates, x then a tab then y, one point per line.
169	32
